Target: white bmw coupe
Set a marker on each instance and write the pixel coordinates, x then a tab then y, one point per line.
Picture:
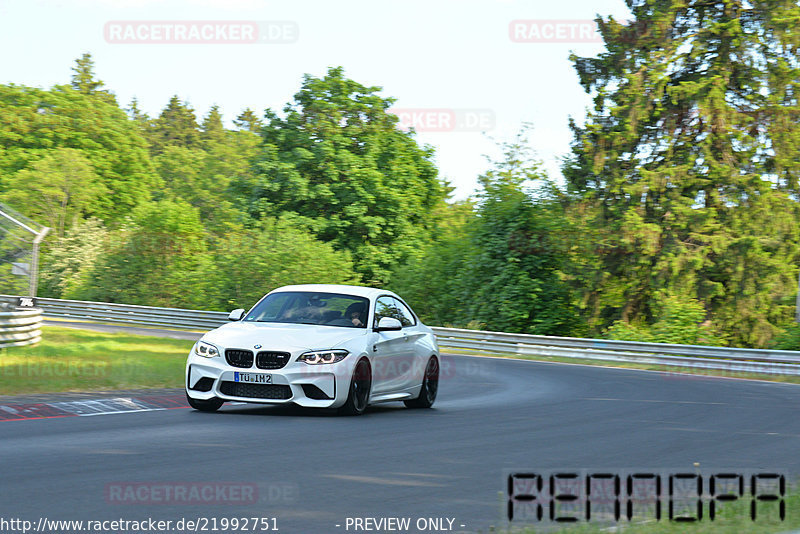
318	346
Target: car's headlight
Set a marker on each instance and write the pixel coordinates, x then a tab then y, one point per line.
317	357
207	350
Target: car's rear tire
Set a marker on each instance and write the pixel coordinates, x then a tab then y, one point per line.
430	386
211	405
360	386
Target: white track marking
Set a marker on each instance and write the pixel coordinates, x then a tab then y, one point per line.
103	406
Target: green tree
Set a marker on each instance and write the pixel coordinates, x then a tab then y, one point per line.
181	168
498	264
68	262
688	163
213	132
434	283
337	162
678	320
33	122
84	81
160	259
203	177
515	280
788	339
176	125
247	120
276	253
60	188
136	114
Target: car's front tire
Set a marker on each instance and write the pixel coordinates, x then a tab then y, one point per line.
360	386
430	387
211	405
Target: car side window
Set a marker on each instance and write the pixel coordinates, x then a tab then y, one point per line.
391	307
384	307
404	314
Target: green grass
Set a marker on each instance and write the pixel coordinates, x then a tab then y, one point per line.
81	360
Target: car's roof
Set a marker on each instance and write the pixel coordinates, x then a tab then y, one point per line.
361	291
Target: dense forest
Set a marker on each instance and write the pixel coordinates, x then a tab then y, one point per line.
677	219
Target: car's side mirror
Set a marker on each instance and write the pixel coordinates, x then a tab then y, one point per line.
388	323
236	315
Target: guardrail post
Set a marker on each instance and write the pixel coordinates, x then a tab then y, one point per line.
797	302
34	282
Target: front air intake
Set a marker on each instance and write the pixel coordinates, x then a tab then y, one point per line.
313	392
256	391
204	384
272	360
239	358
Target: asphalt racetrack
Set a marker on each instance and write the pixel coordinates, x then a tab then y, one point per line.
310	471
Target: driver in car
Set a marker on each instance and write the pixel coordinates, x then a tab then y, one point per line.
355	313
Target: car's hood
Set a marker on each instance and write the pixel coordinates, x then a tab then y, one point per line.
281	336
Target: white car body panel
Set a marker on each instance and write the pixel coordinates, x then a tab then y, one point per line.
397	358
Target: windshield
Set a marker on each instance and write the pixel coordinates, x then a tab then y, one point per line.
329	309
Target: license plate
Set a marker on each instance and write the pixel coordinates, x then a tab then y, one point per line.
252	378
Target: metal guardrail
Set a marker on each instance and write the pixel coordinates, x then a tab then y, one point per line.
735	360
684	356
21	327
129	314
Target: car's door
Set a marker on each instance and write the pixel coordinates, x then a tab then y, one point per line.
414	357
392	353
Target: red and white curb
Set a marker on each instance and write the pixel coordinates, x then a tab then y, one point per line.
87	408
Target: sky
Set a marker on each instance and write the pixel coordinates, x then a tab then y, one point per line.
465	73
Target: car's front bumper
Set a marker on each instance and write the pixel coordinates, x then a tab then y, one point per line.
312	386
